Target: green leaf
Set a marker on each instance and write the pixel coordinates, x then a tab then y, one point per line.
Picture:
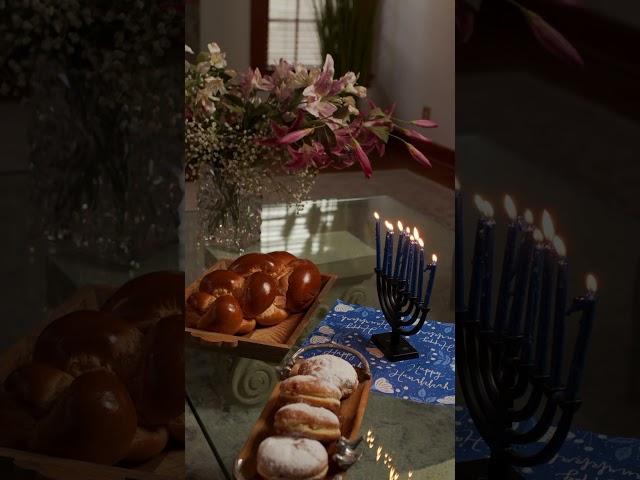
341	112
381	132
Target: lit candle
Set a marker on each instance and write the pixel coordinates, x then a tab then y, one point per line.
459	250
587	304
409	262
544	317
557	348
414	268
522	276
418	293
388	248
475	289
432	275
406	244
377	217
507	264
407	249
487	282
401	237
533	296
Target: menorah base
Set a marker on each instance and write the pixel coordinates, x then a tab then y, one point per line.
394	346
485	469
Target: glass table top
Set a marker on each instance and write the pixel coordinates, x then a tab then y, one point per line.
228	392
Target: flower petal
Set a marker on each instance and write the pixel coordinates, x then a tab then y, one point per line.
551	39
365	163
424	123
417	155
412	134
294	136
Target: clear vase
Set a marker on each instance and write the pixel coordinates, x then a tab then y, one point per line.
228	219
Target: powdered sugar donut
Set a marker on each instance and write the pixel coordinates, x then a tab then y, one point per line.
287	458
302	420
332	369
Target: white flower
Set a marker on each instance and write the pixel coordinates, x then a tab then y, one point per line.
216	57
215	85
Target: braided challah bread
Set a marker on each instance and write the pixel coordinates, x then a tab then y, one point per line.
256	290
104	386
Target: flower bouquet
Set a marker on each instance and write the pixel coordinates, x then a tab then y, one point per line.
249	133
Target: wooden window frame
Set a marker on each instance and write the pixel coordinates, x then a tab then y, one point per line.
259	34
259	44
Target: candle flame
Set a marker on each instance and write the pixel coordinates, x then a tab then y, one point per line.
537	235
389	225
510	207
528	216
421	243
400	227
416	233
558	244
410	474
547	226
434	258
592	283
408	230
457	184
479	203
376	216
488	209
378	452
412	238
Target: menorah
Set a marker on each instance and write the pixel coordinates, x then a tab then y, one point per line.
403	312
512	391
399	280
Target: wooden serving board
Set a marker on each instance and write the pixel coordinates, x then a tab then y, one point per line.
351	414
269	344
167	465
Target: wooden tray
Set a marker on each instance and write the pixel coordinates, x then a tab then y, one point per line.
167	465
351	414
269	343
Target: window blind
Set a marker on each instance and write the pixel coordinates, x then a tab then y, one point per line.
292	33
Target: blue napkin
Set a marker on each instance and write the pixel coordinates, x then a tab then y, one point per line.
584	456
427	379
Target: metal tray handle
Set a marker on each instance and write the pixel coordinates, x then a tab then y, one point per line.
285	370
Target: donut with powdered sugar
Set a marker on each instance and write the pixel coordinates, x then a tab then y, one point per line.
302	420
331	369
289	458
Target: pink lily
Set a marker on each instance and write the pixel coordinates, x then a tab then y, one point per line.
417	155
551	39
322	86
424	123
365	163
279	130
299	159
294	136
412	134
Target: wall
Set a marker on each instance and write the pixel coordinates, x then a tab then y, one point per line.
623	11
415	62
227	23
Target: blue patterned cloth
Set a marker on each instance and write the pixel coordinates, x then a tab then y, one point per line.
427	379
584	455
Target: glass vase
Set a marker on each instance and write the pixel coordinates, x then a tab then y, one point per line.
228	219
